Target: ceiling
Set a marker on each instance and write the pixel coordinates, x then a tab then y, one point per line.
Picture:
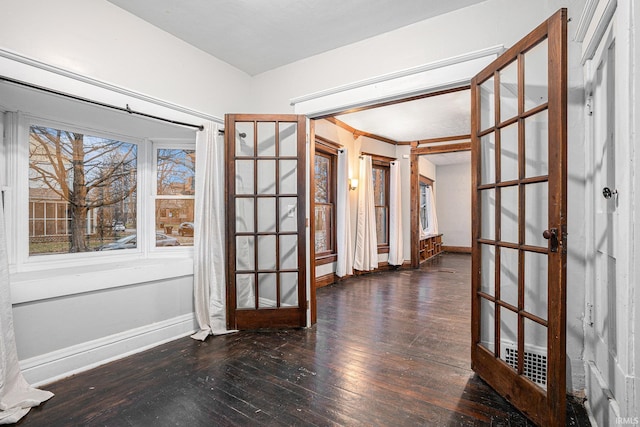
257	36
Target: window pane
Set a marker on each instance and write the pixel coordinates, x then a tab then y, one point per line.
176	172
324	238
379	186
174	222
322	172
86	182
381	225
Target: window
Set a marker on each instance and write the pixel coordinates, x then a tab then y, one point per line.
82	190
381	201
175	196
325	193
425	208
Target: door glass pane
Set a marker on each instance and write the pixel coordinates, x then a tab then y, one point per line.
288	214
536	143
266	176
488	159
288	139
244	144
244	215
245	291
244	177
245	255
288	252
289	289
509	91
509	276
509	337
487	325
509	214
267	252
535	353
488	269
488	225
266	214
536	76
288	177
266	139
267	290
509	153
536	213
535	284
487	104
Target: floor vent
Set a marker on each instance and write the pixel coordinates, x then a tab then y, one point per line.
535	365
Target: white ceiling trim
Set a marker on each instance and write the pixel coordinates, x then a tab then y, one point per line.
38	73
439	75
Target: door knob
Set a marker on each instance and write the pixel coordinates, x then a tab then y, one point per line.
607	193
552	236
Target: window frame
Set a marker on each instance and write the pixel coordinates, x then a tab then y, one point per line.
16	146
383	163
427	183
327	149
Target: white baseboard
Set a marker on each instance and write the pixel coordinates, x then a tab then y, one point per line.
46	368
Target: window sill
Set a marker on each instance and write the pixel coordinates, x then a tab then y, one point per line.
326	259
53	283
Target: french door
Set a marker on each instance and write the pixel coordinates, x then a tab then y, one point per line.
519	158
266	284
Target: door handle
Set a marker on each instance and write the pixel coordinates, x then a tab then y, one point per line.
552	236
607	193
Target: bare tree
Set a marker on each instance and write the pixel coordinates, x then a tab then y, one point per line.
87	172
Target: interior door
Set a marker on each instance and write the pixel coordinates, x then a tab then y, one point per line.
266	255
519	157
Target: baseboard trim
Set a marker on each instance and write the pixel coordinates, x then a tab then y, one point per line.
457	249
326	280
53	366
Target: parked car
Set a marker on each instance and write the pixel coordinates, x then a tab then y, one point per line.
118	226
130	242
186	229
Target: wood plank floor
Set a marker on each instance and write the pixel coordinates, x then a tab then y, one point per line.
389	349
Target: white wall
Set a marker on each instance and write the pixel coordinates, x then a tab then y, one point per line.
453	204
99	40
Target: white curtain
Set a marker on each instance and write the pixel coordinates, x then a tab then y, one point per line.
396	257
344	265
366	255
433	218
209	256
16	395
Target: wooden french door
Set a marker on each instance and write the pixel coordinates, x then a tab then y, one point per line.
266	255
519	158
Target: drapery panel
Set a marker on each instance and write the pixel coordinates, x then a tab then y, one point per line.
433	218
17	397
366	253
344	248
396	257
209	250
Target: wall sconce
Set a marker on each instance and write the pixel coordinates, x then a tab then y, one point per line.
353	183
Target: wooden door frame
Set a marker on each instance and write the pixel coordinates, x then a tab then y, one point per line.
526	396
278	319
433	146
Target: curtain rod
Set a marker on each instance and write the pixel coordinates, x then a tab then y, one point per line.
126	109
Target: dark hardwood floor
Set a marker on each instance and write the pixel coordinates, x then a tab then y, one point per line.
389	349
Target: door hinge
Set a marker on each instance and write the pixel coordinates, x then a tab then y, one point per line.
589	314
306	304
306	222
